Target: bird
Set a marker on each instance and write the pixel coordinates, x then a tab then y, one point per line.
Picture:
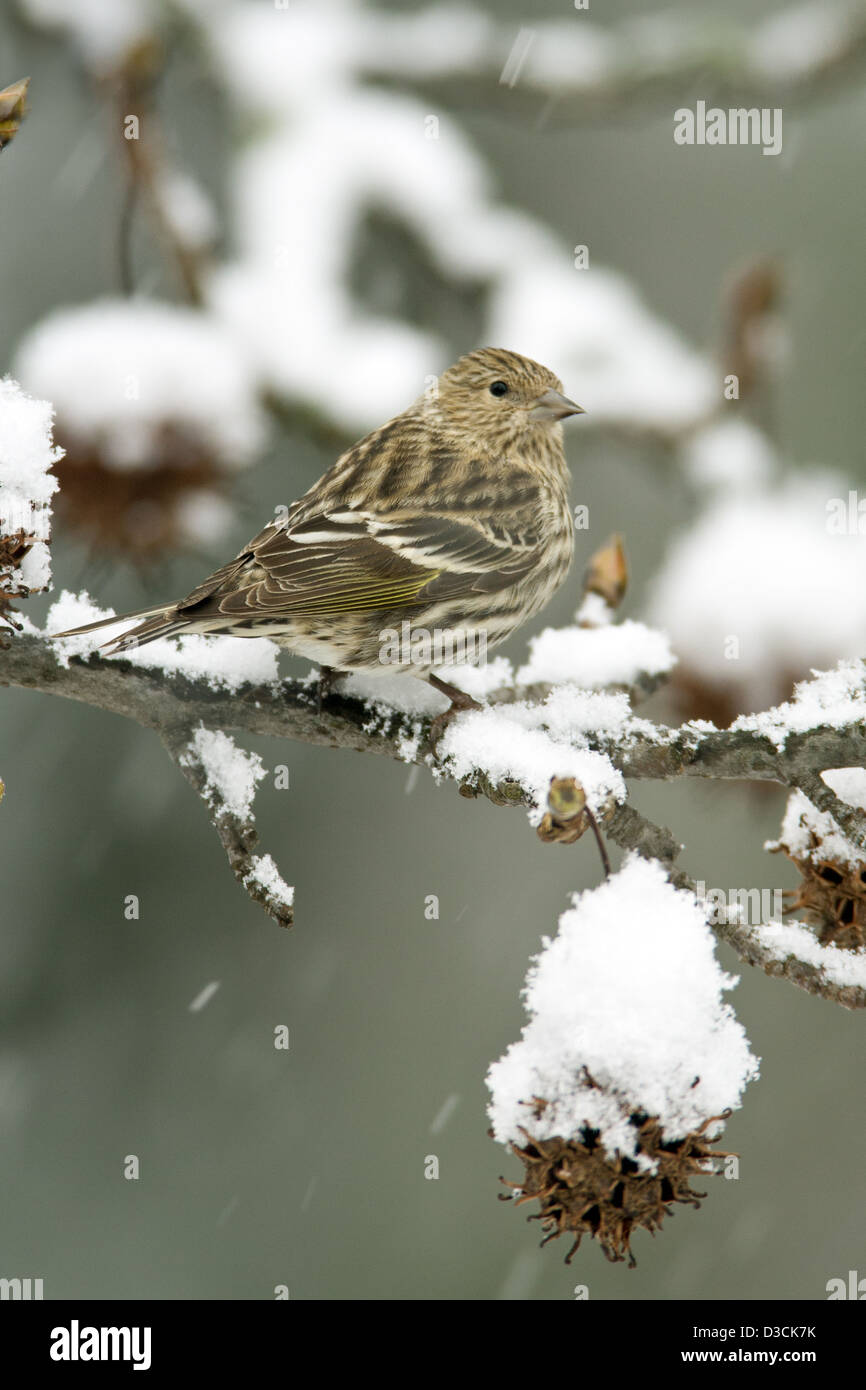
453	517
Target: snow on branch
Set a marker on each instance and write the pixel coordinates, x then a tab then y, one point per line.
789	951
583	70
511	751
226	778
590	68
328	139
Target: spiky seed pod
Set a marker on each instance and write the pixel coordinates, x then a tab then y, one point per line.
831	897
582	1191
13	548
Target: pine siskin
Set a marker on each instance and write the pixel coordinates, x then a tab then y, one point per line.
451	519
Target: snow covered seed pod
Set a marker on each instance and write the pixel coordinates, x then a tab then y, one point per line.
156	408
581	1191
832	895
27	455
628	1067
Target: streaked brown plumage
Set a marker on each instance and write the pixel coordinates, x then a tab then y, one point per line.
453	515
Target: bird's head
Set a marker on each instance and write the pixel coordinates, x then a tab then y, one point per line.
498	396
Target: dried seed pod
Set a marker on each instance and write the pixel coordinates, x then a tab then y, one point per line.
606	577
753	332
139	513
582	1191
157	408
832	895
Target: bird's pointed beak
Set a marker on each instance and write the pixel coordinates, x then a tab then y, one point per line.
554	406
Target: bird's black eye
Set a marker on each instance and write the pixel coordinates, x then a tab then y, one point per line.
498	388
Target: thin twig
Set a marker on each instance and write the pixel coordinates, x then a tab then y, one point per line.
602	847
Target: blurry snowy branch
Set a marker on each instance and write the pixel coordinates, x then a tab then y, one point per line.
326	130
323	138
592	67
158	405
566	71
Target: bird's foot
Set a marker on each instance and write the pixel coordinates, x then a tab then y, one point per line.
459	701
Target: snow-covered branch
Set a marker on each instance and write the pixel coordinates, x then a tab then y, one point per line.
225	778
572	70
507	752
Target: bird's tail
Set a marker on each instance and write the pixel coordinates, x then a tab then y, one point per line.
158	622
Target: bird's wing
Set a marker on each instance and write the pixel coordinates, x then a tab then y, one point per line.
347	560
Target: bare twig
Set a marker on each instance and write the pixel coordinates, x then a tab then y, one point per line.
599	840
142	150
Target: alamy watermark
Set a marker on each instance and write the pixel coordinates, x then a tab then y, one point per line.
441	646
753	906
77	1343
21	1289
853	1287
846	516
738	126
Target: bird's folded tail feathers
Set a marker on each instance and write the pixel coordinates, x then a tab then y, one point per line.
159	622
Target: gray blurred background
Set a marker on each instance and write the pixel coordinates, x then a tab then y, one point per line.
261	1167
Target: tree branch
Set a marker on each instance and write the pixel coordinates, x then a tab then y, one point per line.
851	820
631	830
257	875
287	709
173	705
